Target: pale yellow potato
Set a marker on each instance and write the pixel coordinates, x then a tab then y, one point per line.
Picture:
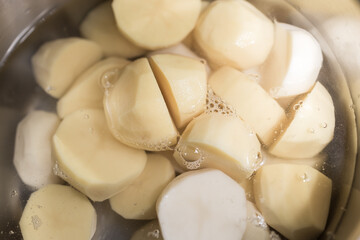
150	231
183	82
294	199
136	111
87	91
155	24
100	26
58	63
311	128
91	159
222	142
234	33
256	227
251	102
138	200
58	212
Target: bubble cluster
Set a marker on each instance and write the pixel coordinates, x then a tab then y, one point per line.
258	221
36	221
58	172
298	105
214	104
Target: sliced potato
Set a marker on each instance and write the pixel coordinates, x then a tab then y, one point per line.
150	231
294	199
311	128
87	91
234	33
202	205
32	155
136	111
138	200
58	63
155	24
58	212
91	159
100	26
222	142
251	102
256	227
183	83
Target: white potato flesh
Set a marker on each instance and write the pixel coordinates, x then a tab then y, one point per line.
222	142
58	63
183	83
202	205
32	155
151	231
311	128
234	33
136	111
155	24
91	159
294	199
138	200
293	64
250	101
87	91
100	26
58	212
256	227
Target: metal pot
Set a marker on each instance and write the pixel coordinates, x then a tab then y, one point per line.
25	25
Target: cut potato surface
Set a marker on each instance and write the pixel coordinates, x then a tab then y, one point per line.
100	27
294	199
183	83
58	212
311	128
222	142
251	102
91	159
87	91
293	64
155	24
32	155
202	205
234	33
58	63
256	227
136	111
138	200
151	231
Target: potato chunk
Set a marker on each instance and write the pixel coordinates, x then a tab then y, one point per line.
251	102
294	199
100	27
222	142
136	111
138	200
183	82
311	128
91	159
202	205
58	212
155	24
87	91
234	33
58	63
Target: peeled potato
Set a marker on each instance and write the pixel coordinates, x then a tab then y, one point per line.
87	91
183	82
222	142
100	26
202	205
256	227
251	102
32	155
58	212
294	199
311	128
151	231
58	63
234	33
293	64
91	159
138	200
155	24
136	111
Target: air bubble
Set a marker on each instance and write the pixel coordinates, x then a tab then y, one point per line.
11	232
58	172
304	178
323	125
191	157
13	193
257	161
109	77
154	234
36	221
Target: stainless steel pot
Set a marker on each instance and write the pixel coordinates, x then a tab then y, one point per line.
25	25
